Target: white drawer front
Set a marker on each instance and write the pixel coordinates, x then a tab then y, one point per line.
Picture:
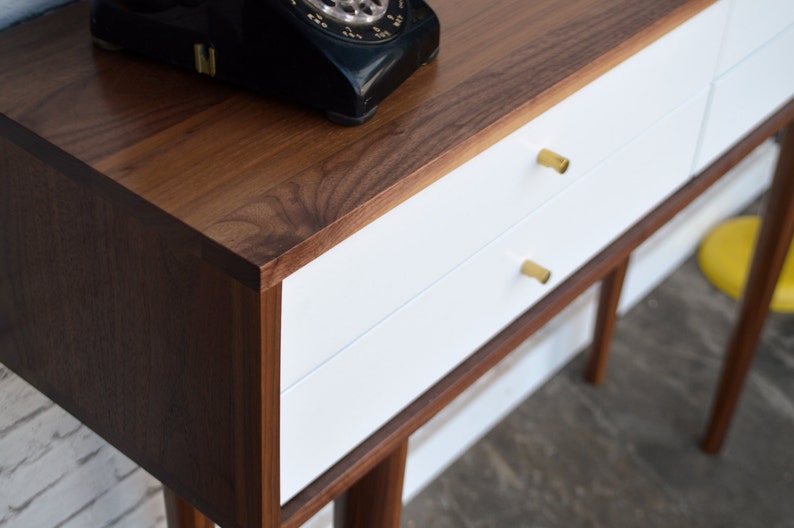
355	285
747	94
358	390
751	24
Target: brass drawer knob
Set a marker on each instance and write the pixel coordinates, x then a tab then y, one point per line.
553	160
536	271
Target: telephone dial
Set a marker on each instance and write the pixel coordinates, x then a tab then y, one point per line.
340	56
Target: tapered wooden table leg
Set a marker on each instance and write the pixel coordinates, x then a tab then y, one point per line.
375	501
774	238
606	318
180	514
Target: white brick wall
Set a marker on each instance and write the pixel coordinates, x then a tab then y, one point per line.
55	472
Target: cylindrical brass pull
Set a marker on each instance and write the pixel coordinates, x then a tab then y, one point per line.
536	271
552	160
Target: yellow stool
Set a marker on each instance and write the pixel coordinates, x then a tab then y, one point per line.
725	256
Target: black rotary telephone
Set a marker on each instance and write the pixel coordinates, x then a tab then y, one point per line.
340	56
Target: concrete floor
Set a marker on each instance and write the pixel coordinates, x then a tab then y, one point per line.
626	454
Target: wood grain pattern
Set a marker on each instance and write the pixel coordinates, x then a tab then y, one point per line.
277	184
371	451
180	514
376	499
608	299
162	354
774	239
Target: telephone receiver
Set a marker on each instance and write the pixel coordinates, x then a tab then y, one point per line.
340	56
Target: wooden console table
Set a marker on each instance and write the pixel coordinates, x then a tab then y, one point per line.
215	282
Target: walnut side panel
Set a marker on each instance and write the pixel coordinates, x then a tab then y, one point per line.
165	356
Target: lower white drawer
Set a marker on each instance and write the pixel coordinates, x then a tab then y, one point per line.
747	94
338	405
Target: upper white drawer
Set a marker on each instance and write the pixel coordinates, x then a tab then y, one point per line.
747	94
352	287
752	23
360	388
